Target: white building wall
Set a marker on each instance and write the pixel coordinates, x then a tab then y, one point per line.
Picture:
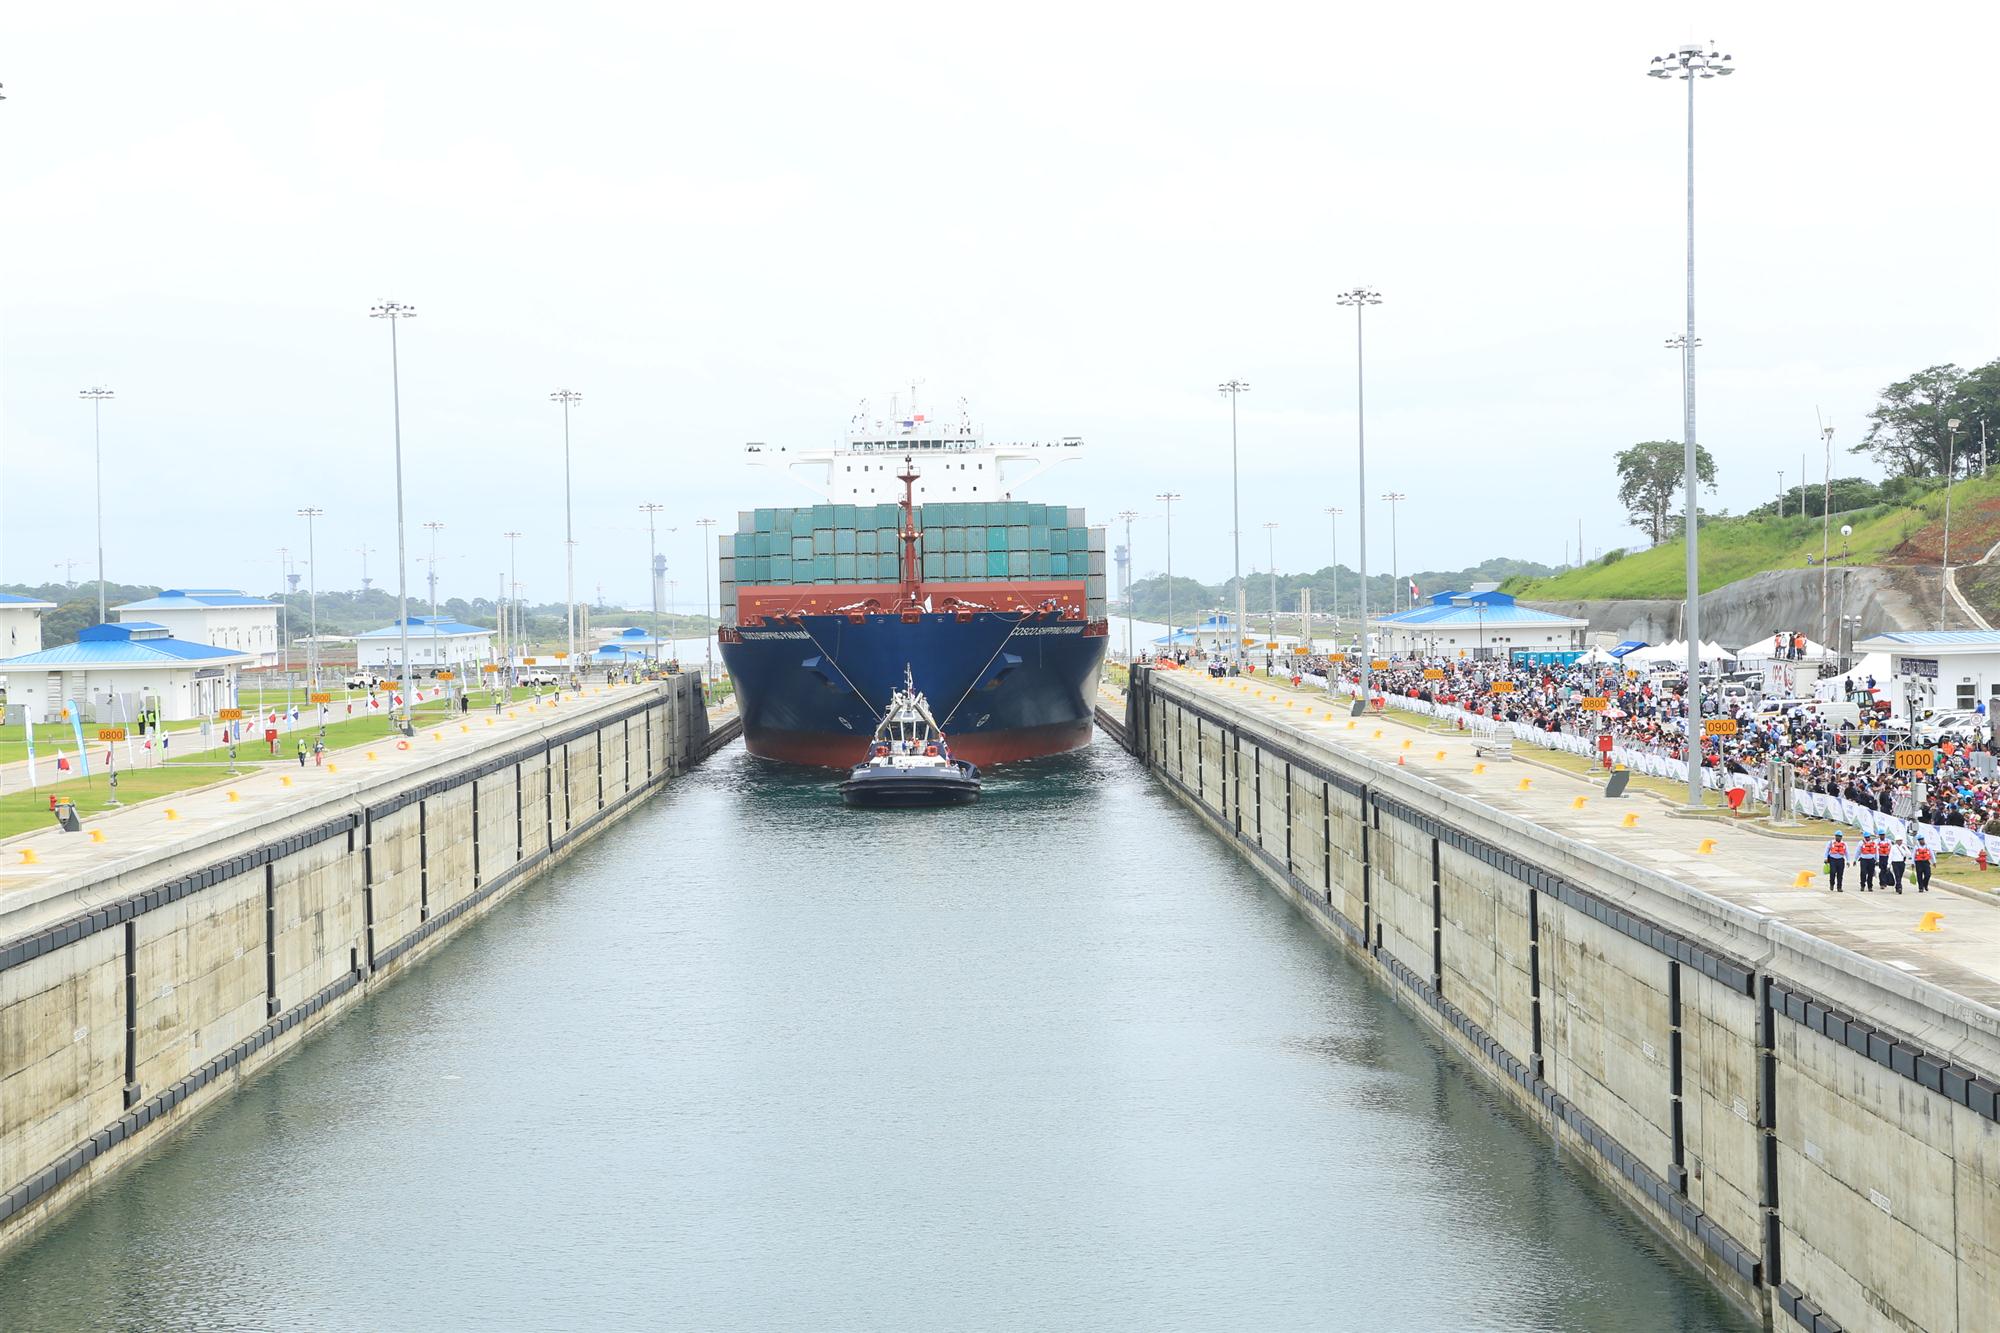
179	694
243	629
20	631
428	652
1964	680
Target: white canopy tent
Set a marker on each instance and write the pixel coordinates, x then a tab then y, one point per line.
1672	654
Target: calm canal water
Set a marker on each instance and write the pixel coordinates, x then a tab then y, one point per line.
752	1061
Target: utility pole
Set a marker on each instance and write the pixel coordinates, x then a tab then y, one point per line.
285	623
1130	610
707	526
1232	390
312	597
519	631
1395	559
1333	513
434	529
1950	469
396	313
568	398
1167	498
1271	547
96	396
649	509
1781	492
1689	63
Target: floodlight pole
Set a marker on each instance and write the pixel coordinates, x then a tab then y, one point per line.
568	397
1360	298
1689	63
310	513
1167	498
707	526
1128	515
1950	462
395	313
1333	513
649	509
1232	390
1271	551
95	396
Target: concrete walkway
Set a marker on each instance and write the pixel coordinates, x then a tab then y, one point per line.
34	865
1754	870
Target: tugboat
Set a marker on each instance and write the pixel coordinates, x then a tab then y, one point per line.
909	763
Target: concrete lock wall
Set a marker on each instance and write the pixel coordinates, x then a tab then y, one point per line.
131	996
1818	1131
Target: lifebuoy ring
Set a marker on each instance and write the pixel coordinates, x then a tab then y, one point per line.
402	745
881	749
930	750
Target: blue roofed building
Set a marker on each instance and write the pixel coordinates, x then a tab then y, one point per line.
437	643
219	617
1483	622
113	673
21	624
632	645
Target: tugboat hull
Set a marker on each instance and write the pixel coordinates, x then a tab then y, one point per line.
908	789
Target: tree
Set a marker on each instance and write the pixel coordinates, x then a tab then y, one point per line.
1649	482
1908	431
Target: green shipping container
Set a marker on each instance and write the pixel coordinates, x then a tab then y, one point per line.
996	539
1038	537
887	516
765	519
802	547
864	567
843	541
954	539
1038	563
746	543
822	516
843	567
866	541
781	522
1059	540
1017	538
1059	516
1017	564
822	567
996	564
823	541
781	570
1017	512
843	516
1079	538
802	569
954	565
934	566
1058	566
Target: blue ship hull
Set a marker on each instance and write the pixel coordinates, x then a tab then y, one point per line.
1003	687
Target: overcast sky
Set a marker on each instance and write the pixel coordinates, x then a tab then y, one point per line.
733	222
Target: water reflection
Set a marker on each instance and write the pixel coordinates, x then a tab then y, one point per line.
753	1060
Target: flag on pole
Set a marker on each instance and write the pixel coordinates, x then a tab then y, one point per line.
76	725
28	717
1414	594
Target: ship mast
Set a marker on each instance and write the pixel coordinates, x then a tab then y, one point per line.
910	566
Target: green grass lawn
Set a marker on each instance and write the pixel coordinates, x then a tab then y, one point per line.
26	810
1736	548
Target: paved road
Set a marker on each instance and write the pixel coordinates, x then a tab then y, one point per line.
1756	871
230	805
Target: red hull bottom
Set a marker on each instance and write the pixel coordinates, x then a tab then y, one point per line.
826	751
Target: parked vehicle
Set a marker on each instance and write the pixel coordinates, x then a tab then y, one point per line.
536	678
363	680
1962	726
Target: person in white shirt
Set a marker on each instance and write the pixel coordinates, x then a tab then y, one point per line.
1897	855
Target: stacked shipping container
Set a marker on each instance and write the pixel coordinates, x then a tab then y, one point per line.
997	541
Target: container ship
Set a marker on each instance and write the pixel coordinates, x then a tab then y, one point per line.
919	560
